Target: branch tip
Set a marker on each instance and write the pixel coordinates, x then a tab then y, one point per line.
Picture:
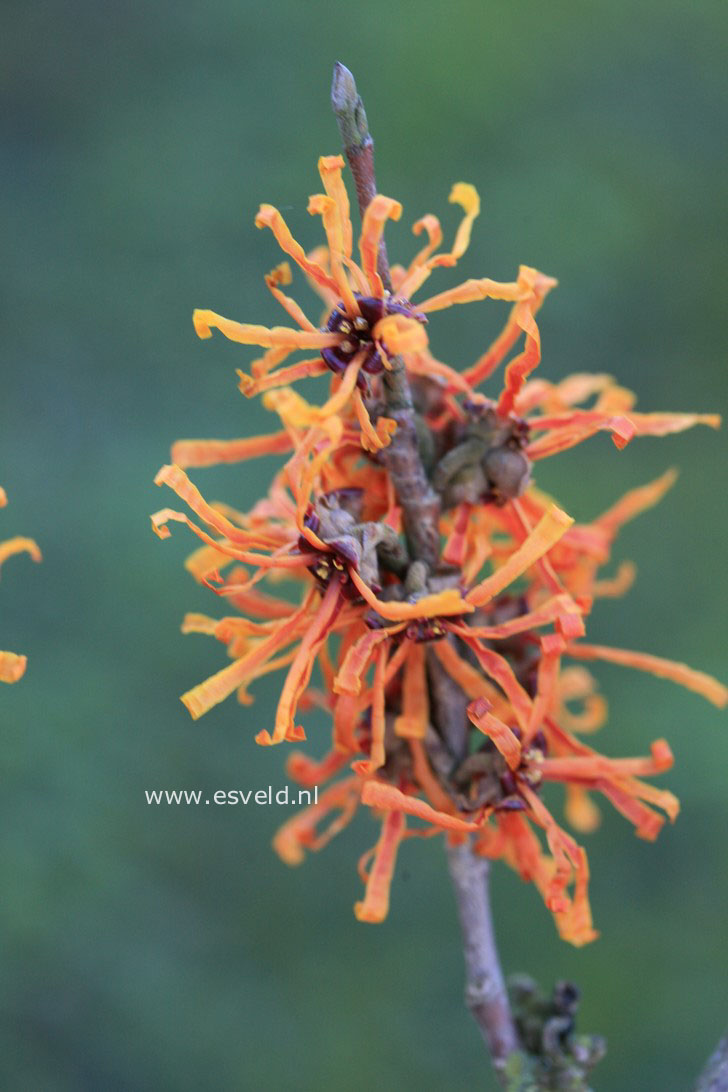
349	109
343	87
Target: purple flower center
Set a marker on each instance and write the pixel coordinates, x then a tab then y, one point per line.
357	331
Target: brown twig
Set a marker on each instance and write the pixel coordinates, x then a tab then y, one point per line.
358	147
485	990
418	500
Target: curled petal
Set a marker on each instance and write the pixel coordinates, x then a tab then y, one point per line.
300	671
304	414
563	848
244	333
664	424
299	833
198	623
443	603
558	397
594	767
486	364
521	848
592	716
467	197
480	549
613	778
575	924
270	217
400	334
378	794
12	666
18	545
412	721
294	411
378	211
326	207
498	669
647	823
194	453
504	739
309	772
615	399
431	225
469	678
522	529
377	752
347	710
523	313
330	297
375	905
205	564
456	545
667	801
581	811
330	168
702	684
570	429
552	526
373	437
636	501
281	275
257	603
618	585
473	290
551	610
302	369
345	388
356	661
303	468
427	780
280	559
177	480
549	664
219	686
271	358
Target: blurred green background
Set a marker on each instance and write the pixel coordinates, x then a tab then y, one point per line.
168	948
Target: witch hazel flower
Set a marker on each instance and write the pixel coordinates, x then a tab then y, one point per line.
12	664
329	588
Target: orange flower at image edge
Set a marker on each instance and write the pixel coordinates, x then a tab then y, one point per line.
321	574
12	665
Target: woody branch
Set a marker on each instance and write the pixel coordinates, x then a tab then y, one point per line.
485	990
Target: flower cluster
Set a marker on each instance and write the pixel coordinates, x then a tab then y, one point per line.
12	665
324	576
